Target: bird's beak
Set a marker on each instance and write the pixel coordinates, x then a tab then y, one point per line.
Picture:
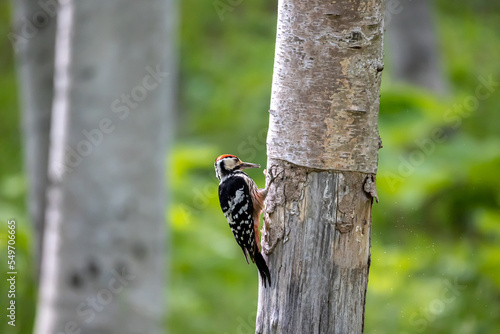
244	165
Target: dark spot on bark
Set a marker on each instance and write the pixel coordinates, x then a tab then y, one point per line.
75	280
298	39
354	40
380	143
93	269
380	67
40	19
332	14
356	36
139	250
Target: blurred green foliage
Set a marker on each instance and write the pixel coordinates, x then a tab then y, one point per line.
436	232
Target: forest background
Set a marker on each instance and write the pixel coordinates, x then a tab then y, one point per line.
435	264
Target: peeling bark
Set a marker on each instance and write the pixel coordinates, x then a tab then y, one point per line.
318	245
323	144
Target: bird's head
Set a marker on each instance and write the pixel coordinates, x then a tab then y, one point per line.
227	164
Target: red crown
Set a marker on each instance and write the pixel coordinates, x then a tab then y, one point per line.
225	156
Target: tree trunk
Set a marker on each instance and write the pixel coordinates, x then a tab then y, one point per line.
323	144
104	256
413	47
33	41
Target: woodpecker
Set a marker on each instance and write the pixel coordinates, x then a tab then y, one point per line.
242	203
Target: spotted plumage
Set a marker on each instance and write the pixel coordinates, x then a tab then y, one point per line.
235	201
242	203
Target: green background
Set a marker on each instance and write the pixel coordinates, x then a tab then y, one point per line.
436	231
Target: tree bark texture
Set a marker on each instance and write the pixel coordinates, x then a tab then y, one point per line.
104	255
34	46
323	144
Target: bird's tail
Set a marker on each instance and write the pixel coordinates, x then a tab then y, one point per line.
263	269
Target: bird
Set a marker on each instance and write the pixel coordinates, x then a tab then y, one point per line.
242	203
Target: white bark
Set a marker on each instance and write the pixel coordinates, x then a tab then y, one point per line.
103	260
33	42
326	85
323	141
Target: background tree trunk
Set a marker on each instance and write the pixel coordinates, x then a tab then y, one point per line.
34	40
413	46
323	139
103	259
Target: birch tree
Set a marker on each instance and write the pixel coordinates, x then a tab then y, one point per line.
323	144
103	256
33	40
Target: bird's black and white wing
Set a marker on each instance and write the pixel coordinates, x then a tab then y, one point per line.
236	203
